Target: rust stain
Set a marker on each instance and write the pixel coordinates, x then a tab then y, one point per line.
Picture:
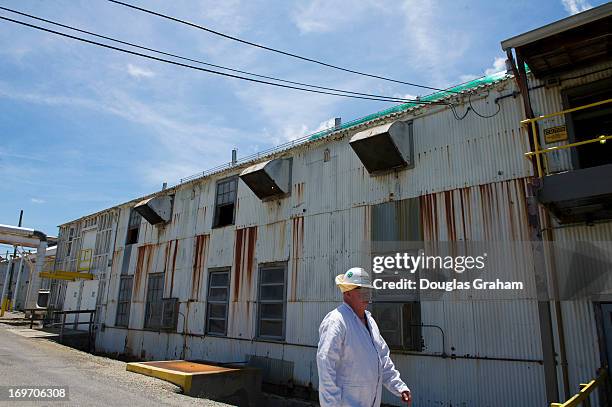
139	270
513	228
250	253
199	262
461	201
244	261
297	249
174	255
237	262
188	367
449	211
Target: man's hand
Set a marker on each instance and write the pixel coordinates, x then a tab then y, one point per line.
407	396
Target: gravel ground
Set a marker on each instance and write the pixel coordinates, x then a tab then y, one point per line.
92	380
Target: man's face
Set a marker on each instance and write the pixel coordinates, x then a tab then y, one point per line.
359	298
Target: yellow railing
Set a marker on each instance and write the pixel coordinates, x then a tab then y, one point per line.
582	398
536	143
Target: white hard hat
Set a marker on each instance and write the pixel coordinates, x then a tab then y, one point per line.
354	277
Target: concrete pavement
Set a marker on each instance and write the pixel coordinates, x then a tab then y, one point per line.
92	380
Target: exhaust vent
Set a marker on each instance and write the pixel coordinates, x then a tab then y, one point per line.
385	147
155	210
269	179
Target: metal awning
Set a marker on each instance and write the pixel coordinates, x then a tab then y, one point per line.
576	41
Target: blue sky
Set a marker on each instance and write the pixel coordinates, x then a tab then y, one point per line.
84	128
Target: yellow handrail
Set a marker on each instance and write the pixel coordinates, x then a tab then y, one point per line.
585	391
534	132
602	139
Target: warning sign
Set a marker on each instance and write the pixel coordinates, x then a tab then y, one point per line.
555	134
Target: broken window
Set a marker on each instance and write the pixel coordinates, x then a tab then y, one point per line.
225	202
154	307
217	302
272	301
133	227
590	123
124	301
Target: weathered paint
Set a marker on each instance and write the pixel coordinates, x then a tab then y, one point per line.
297	253
199	263
470	182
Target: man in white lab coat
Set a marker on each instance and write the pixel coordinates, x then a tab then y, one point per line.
352	358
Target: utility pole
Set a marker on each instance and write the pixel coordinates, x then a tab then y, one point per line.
9	295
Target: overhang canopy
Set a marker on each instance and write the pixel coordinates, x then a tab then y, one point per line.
574	42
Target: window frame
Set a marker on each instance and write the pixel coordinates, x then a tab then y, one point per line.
209	302
411	328
261	267
233	179
148	303
124	298
133	226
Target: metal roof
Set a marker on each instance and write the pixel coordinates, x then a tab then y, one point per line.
559	26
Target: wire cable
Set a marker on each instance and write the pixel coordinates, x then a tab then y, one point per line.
278	51
484	116
403	100
380	99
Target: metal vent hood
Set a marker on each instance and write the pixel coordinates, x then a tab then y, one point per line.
269	179
155	210
385	147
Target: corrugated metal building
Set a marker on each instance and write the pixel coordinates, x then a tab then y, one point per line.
216	269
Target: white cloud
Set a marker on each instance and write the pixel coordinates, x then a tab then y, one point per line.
37	200
405	96
576	6
320	16
499	64
138	72
431	45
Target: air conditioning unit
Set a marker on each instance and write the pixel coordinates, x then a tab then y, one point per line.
385	148
269	179
155	210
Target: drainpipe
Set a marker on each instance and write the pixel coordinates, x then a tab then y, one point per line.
18	280
537	244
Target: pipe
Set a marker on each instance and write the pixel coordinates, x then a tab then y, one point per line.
437	355
18	280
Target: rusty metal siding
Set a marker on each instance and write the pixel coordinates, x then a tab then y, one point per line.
469	181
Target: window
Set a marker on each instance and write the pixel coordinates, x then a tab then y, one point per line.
272	302
225	202
590	123
69	244
217	299
170	311
399	324
396	228
154	307
124	300
133	227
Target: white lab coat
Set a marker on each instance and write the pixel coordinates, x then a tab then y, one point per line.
352	364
